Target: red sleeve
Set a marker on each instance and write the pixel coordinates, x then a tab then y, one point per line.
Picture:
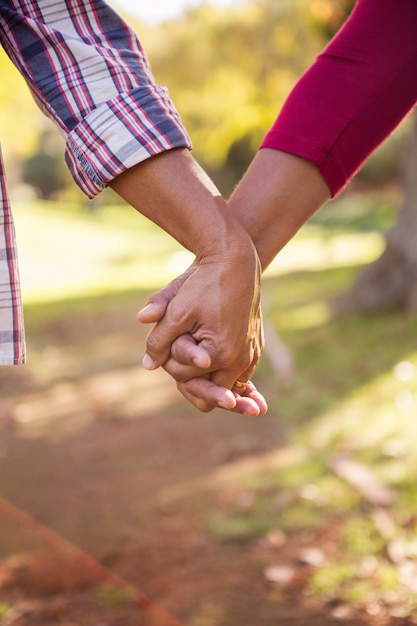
355	94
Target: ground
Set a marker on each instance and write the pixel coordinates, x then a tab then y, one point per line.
116	495
136	495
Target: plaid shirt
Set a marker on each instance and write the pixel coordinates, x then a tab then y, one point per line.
89	73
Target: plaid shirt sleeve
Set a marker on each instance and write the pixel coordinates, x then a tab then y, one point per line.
89	73
12	333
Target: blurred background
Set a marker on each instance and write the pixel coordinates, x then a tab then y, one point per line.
119	503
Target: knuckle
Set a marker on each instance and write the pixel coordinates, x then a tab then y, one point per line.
151	341
153	344
245	361
180	375
200	404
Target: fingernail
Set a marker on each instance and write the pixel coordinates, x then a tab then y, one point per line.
147	309
148	363
226	403
202	362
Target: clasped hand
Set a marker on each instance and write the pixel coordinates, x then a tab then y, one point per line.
208	331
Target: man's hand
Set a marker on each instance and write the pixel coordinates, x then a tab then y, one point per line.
209	332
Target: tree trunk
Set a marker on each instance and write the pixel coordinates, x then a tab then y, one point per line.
390	283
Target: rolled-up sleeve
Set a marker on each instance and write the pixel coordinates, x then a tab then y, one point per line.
88	72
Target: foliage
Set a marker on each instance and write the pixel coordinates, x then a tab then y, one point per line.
19	120
43	171
228	71
240	65
329	15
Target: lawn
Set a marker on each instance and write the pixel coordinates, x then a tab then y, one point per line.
315	505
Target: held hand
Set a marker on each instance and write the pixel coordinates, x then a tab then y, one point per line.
205	394
220	337
190	363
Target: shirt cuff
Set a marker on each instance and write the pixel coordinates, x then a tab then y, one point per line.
330	168
122	132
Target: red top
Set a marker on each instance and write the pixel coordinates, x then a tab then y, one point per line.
355	93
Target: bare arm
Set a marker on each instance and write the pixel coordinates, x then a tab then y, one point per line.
223	285
277	195
347	102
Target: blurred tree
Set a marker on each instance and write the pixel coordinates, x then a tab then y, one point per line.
228	71
329	15
45	170
391	281
19	128
42	172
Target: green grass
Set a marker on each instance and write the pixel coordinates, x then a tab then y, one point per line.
68	253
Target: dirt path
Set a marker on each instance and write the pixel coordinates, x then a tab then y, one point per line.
107	458
132	493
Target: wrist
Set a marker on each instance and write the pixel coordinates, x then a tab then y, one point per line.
174	192
225	240
277	195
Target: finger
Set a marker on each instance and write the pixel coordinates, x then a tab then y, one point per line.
188	359
161	338
181	373
246	406
187	351
155	308
202	392
199	404
251	392
248	399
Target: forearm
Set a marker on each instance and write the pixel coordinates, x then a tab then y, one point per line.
175	193
341	109
277	195
217	302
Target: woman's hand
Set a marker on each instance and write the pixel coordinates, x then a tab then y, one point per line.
208	332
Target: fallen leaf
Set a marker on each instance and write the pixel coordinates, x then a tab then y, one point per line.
312	556
361	478
342	613
281	575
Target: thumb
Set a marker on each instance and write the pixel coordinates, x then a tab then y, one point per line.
155	308
160	339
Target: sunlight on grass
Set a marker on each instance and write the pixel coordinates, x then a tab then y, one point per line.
379	413
305	316
70	253
314	249
64	253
